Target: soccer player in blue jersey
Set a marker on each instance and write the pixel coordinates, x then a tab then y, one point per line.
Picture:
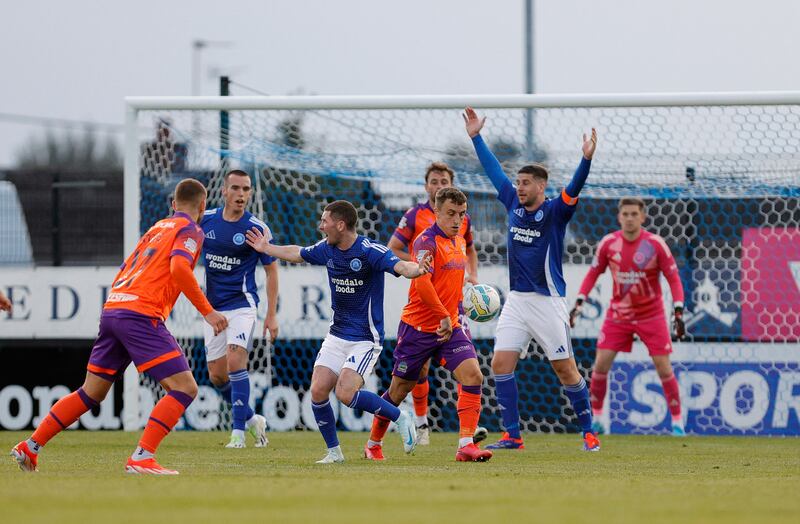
536	306
355	266
231	288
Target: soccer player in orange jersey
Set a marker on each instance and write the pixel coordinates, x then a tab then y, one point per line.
132	330
430	328
416	220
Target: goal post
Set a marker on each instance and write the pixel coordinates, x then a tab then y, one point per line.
720	173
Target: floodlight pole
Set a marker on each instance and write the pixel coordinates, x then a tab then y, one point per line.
529	71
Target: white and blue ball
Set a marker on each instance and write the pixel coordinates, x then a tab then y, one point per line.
481	303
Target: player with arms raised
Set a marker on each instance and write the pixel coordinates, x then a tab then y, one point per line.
636	258
231	288
416	220
132	329
430	328
355	266
536	305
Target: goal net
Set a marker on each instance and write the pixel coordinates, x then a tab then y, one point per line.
720	175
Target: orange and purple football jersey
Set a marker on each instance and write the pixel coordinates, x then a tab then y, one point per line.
419	218
144	283
447	276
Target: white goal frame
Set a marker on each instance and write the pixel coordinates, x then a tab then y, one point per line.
135	104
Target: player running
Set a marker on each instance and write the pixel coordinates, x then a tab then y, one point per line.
416	220
636	258
132	329
231	288
430	328
536	305
354	342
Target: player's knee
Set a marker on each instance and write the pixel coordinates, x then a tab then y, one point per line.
218	379
190	388
319	393
503	362
472	377
345	394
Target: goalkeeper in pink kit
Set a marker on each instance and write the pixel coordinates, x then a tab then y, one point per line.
636	259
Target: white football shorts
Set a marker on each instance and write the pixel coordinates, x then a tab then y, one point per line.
241	323
527	316
337	353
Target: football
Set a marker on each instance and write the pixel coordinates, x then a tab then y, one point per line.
481	303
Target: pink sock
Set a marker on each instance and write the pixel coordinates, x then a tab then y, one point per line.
673	396
598	390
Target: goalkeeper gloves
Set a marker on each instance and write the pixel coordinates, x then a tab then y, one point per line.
677	323
575	312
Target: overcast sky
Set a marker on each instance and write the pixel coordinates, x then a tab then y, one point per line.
78	59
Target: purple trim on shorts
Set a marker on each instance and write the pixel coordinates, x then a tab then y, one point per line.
181	397
168	368
475	390
154	419
57	420
182	253
89	401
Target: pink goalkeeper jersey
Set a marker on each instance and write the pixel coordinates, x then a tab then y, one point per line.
635	268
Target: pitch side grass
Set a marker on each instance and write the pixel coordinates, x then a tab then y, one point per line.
633	479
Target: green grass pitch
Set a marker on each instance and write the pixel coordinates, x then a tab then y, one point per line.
633	479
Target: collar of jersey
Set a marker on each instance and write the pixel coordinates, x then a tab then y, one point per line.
438	231
182	215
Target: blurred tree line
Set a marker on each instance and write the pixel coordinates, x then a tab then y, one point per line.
84	150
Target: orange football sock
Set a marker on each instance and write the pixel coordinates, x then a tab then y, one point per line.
62	415
469	410
420	396
163	418
380	425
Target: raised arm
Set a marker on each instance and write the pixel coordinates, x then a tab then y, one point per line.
259	242
579	178
490	164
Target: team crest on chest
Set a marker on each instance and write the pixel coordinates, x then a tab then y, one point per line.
355	264
538	216
238	239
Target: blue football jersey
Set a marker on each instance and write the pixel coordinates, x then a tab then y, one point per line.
536	243
356	280
230	262
535	238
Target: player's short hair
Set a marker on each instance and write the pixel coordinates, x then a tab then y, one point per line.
439	166
345	211
631	201
235	172
535	170
190	191
450	193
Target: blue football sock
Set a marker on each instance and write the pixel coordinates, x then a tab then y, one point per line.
240	398
323	414
507	399
225	391
372	403
578	395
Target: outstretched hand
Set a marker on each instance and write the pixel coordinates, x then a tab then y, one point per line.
425	263
473	122
589	144
257	240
